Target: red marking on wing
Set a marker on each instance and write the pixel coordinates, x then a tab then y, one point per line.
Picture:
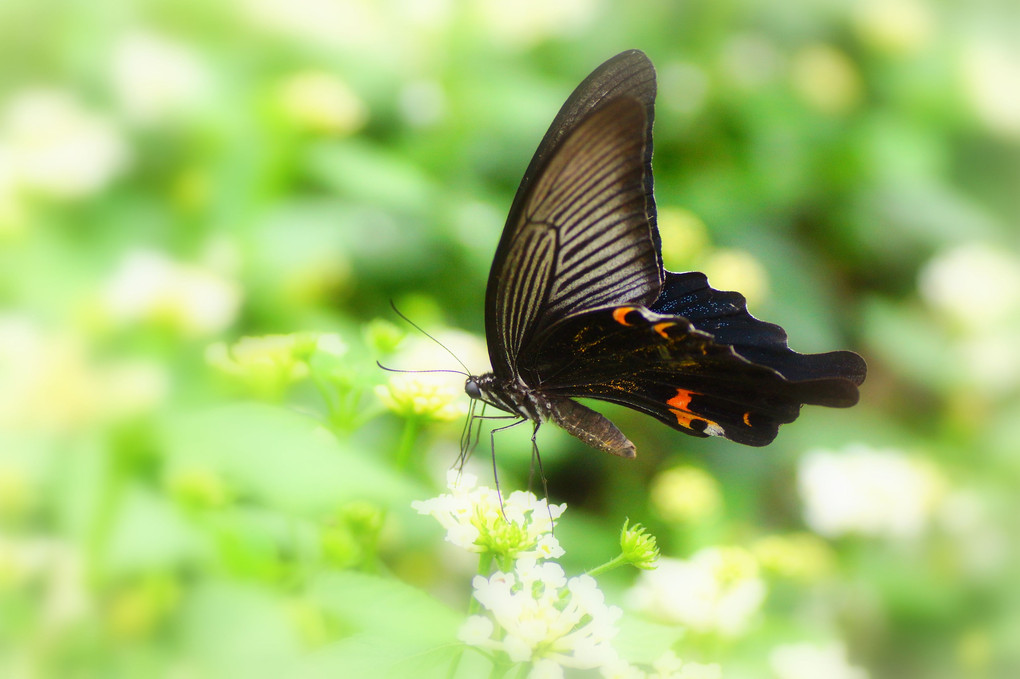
682	400
681	409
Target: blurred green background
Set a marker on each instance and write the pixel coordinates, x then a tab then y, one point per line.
177	176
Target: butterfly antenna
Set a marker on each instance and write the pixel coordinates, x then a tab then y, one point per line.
419	329
398	370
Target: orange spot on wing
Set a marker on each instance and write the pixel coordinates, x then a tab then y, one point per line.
747	419
682	400
661	328
684	418
620	314
681	409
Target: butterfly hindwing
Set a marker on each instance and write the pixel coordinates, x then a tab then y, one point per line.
664	366
724	315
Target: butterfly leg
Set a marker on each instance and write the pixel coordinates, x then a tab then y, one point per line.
492	447
466	447
471	434
536	461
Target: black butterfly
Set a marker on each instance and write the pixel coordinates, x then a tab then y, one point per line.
578	304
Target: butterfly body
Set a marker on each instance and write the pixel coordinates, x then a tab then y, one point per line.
512	396
578	303
519	399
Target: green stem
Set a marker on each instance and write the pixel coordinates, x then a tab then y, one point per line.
407	439
323	389
484	565
620	560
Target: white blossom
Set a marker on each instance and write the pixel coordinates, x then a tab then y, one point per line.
991	73
12	211
826	78
731	269
58	148
50	379
895	26
155	77
436	395
542	617
422	395
527	22
811	661
351	23
868	492
318	101
974	284
149	286
716	590
475	521
685	493
272	359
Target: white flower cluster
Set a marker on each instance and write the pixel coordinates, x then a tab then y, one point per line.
991	76
422	396
716	590
51	144
155	77
878	493
533	613
148	286
51	380
430	395
976	288
318	101
975	284
542	617
475	520
272	361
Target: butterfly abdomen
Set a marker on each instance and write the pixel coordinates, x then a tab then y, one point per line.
590	427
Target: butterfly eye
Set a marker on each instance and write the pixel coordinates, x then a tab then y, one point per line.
472	388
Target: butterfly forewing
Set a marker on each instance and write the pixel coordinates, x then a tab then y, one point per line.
591	198
532	260
581	232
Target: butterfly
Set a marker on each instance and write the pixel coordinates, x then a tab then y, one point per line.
578	303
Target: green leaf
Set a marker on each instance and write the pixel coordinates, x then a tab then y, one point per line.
387	608
287	460
238	630
401	631
642	641
366	655
150	533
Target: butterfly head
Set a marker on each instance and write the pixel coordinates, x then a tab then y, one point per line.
486	388
472	387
